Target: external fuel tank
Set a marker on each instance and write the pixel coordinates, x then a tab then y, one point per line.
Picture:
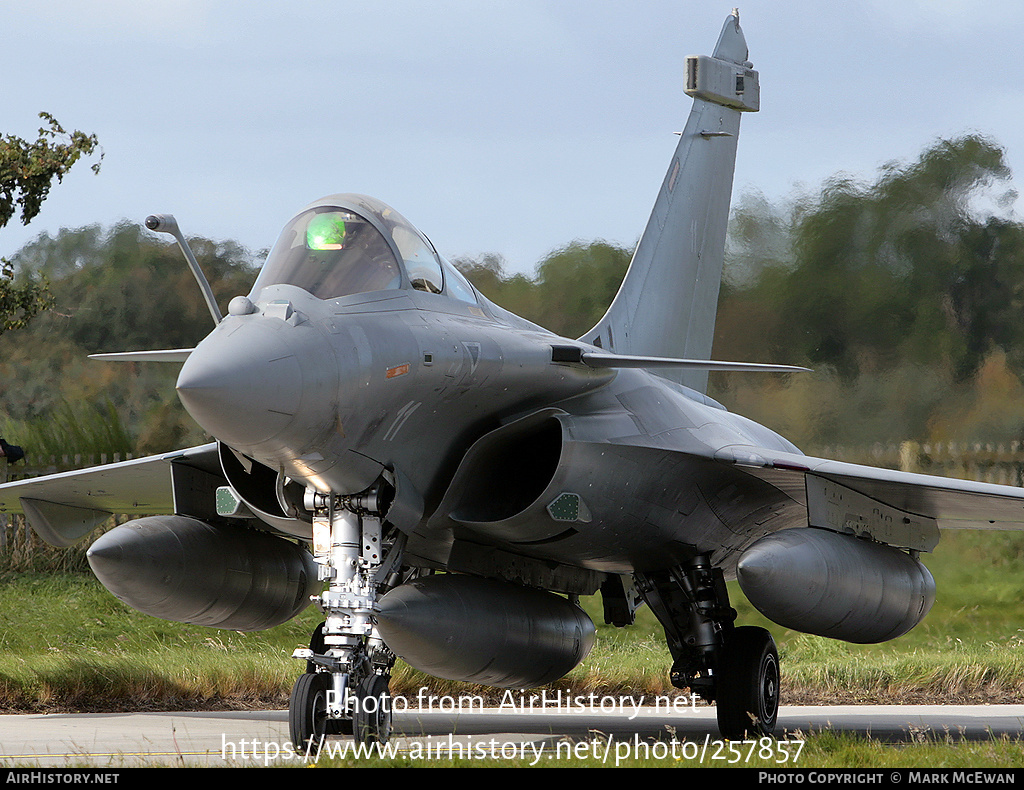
839	586
484	631
183	569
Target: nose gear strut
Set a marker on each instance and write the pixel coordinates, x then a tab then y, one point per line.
348	669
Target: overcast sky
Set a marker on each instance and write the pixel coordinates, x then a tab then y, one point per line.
499	126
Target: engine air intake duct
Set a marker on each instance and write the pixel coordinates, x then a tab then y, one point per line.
484	631
839	586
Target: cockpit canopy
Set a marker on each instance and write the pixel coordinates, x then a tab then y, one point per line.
349	244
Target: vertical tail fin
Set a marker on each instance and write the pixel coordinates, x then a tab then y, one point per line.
667	303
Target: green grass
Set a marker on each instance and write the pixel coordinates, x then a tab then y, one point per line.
67	644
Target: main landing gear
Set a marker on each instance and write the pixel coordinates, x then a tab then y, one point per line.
736	667
348	667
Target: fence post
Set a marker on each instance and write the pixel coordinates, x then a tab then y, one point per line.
910	457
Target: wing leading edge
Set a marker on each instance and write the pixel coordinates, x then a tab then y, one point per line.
64	507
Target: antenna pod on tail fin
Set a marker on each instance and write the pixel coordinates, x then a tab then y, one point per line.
667	302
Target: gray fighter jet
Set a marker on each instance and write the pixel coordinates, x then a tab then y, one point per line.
444	479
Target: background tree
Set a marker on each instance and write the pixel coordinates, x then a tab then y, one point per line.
27	172
904	292
570	291
902	267
116	289
19	302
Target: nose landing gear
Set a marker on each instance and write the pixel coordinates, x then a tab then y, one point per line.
345	688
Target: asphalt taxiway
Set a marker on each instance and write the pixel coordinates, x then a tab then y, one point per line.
514	732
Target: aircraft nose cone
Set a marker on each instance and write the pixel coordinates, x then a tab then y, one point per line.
243	386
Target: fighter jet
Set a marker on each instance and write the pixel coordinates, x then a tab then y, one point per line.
444	479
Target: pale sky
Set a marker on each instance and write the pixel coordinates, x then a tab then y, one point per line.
498	126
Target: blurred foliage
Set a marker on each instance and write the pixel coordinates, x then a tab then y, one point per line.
572	288
903	292
90	429
902	268
120	289
20	301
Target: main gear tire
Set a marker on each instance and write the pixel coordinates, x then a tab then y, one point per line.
747	684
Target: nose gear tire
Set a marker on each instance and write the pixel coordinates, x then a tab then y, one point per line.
308	722
371	721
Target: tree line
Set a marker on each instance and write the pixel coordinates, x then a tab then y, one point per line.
903	292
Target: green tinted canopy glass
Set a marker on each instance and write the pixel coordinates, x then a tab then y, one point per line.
331	252
326	232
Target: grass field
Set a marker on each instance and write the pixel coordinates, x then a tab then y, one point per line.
65	643
68	645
